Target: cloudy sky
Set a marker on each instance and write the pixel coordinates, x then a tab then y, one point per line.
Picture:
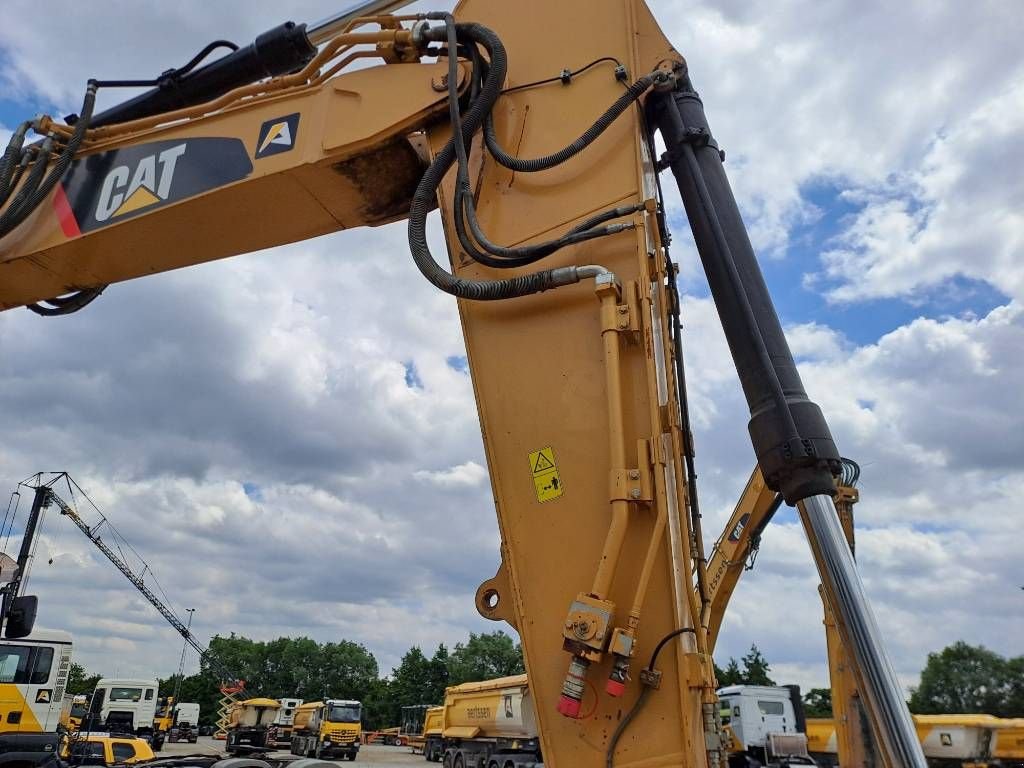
289	437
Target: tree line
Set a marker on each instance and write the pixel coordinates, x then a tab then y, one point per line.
960	679
302	668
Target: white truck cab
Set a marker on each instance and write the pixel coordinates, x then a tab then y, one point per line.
767	725
128	706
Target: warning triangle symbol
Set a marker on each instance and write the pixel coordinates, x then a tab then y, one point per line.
543	463
140	198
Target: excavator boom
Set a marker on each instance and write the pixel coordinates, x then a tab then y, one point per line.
531	126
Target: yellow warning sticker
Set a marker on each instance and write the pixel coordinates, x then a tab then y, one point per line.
546	480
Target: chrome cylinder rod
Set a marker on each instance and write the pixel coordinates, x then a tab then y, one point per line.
859	631
329	27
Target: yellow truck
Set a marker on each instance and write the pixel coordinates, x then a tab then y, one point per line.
489	722
328	729
948	741
433	734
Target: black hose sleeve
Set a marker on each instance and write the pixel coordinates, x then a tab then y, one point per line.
65	305
10	159
633	92
423	199
17	212
29	188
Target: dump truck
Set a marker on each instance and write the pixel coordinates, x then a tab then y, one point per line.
328	729
433	734
281	730
765	725
948	741
249	725
490	721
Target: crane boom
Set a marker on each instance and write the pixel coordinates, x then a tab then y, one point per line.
139	583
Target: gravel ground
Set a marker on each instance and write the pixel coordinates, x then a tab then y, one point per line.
369	755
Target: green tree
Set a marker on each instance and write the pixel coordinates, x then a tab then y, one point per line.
378	709
198	688
1014	688
756	668
80	681
966	679
731	675
484	657
818	702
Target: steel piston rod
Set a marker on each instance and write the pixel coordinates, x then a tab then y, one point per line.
859	630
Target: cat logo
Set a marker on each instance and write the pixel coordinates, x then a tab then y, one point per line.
109	187
44	696
277	135
737	531
125	190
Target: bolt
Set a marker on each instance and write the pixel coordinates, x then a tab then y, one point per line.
599	635
623	309
634	474
635	493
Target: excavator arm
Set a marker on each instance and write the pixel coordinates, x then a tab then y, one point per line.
533	132
736	548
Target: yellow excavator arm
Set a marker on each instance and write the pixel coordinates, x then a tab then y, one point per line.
531	126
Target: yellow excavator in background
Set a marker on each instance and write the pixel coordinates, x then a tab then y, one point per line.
531	125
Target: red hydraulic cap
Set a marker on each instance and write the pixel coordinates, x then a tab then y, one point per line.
614	687
569	706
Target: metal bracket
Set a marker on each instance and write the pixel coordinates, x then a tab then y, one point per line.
633	483
494	598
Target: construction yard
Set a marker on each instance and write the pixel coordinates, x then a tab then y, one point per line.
372	754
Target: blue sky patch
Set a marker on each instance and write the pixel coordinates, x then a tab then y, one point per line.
862	322
412	376
458	363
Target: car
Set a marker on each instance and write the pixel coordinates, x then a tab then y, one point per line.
105	749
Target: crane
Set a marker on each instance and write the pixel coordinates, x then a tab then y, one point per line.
558	254
231	686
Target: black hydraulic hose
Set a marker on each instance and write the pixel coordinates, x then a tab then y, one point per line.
31	185
497	256
609	755
18	211
10	160
66	305
531	165
423	199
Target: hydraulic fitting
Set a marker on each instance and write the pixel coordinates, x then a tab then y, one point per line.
573	687
621	646
616	684
586	629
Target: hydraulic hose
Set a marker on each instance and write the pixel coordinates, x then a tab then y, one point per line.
531	165
478	246
28	198
609	755
11	158
31	184
426	190
66	305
